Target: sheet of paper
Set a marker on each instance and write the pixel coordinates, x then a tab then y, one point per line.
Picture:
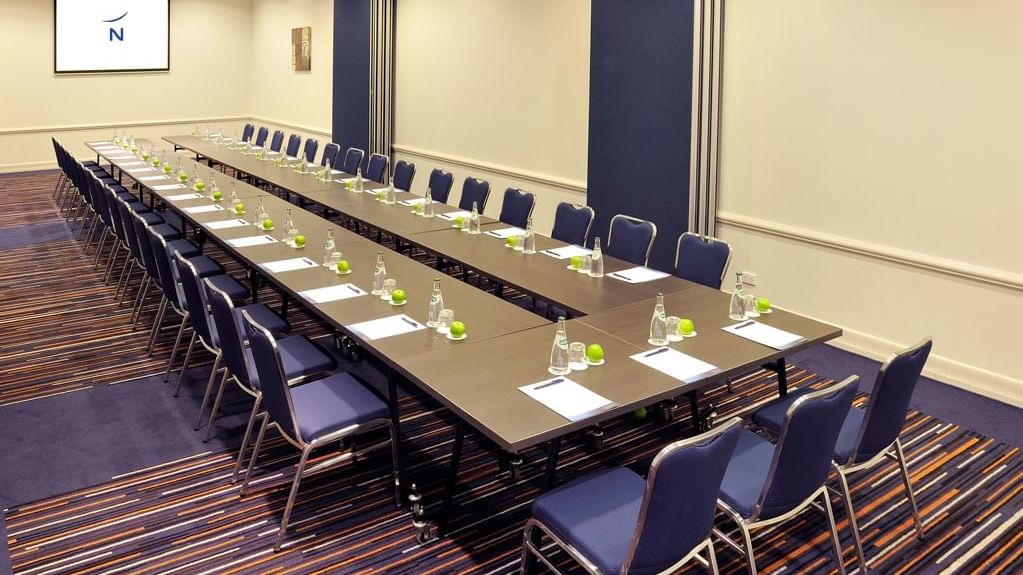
638	275
290	264
676	364
413	202
566	252
98	144
386	327
138	170
332	293
119	157
153	178
130	164
224	224
567	398
251	241
168	187
505	233
179	197
764	334
203	209
346	180
452	215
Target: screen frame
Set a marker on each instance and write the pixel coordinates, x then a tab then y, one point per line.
114	70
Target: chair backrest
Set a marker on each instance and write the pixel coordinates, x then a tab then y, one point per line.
272	381
404	172
277	141
230	334
439	186
195	302
678	506
572	223
630	239
802	457
261	135
516	207
294	141
309	150
329	154
474	190
889	400
146	248
247	132
353	160
702	259
376	169
166	277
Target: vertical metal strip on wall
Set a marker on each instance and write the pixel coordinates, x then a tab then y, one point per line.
708	29
381	76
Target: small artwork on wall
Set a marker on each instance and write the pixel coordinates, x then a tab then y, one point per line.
301	48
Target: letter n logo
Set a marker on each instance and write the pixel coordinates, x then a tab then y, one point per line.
117	33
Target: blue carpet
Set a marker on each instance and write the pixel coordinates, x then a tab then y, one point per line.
33	234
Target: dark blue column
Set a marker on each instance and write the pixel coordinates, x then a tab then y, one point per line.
641	67
351	73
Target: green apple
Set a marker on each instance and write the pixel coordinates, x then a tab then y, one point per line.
640	413
217	195
156	162
577	262
763	304
398	296
145	156
685	326
167	168
268	224
182	177
239	208
512	241
200	185
594	352
299	241
343	266
457	329
459	221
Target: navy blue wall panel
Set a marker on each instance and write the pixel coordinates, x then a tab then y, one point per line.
641	61
351	73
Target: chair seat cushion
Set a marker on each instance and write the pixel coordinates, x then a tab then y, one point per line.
301	357
166	231
91	164
186	248
153	219
227	284
138	207
747	472
596	514
772	416
265	317
336	402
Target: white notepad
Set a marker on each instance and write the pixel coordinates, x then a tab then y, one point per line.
386	327
179	197
203	209
119	156
332	293
224	224
137	170
129	164
567	398
413	201
168	187
98	144
764	334
505	233
566	252
153	178
452	215
288	265
676	364
638	275
251	241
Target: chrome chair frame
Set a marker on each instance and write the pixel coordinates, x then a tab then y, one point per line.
653	237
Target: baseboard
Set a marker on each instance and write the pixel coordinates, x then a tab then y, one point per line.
27	166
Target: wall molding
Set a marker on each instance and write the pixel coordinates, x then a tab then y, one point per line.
317	131
117	125
943	266
497	169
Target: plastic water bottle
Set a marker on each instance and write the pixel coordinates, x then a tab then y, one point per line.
474	220
559	351
358	180
659	323
436	304
529	243
328	248
379	275
596	260
737	305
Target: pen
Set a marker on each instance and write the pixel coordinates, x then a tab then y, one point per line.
742	325
550	253
408	321
656	351
549	383
270	238
620	276
354	289
309	261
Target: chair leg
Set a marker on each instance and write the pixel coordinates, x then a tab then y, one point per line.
834	531
245	438
712	558
255	453
901	458
530	540
177	344
157	321
216	403
291	497
853	526
140	300
184	366
751	561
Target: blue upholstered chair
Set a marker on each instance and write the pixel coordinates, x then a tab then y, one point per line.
277	141
247	131
404	172
516	207
766	484
309	150
702	259
869	435
312	415
572	223
376	168
329	154
294	141
631	239
613	521
261	135
301	358
352	160
439	186
143	229
474	191
127	211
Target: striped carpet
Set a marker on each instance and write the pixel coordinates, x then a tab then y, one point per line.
186	517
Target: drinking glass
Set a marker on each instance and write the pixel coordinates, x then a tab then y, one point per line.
335	258
577	356
750	305
585	264
444	321
673	333
389	286
290	236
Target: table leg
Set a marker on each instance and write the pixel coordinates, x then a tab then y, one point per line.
694	412
284	305
449	489
253	285
778	367
550	474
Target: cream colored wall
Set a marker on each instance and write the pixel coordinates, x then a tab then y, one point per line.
869	173
36	104
496	89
